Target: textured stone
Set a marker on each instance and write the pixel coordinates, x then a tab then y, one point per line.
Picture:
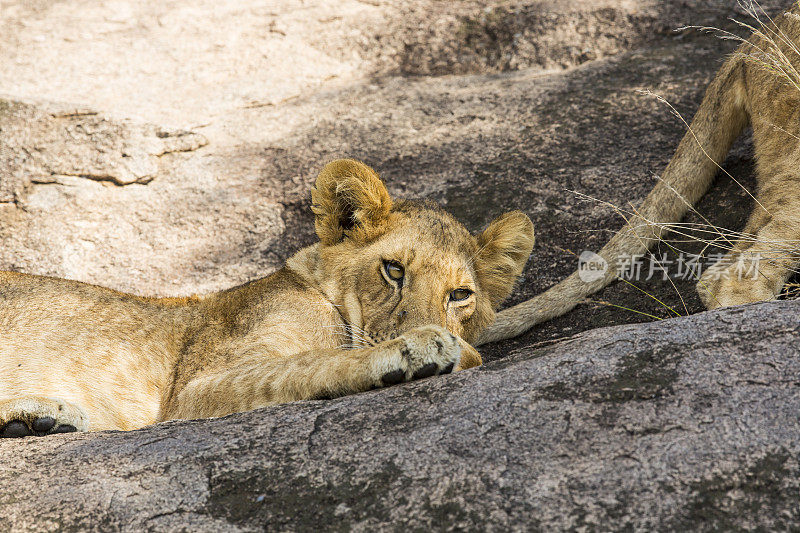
685	424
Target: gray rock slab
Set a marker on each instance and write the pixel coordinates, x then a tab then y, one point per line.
685	424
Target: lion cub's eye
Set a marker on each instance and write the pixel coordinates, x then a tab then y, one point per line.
459	295
394	270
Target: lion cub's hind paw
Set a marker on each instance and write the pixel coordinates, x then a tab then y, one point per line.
25	417
424	352
43	425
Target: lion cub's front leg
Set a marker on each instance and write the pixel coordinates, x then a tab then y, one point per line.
419	353
22	417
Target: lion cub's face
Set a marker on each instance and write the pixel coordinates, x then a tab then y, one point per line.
392	266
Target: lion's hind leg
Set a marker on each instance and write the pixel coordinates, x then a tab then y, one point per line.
34	415
759	264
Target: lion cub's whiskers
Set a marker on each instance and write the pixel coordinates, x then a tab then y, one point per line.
354	333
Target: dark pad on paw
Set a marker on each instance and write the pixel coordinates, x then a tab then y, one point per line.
447	369
426	371
15	428
65	428
394	377
43	424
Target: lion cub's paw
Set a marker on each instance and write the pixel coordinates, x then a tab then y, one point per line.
40	416
419	353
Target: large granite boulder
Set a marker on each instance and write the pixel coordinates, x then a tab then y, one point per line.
685	424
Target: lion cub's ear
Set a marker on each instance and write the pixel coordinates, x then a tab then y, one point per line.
503	250
349	200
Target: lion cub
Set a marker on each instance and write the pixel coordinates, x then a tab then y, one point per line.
394	291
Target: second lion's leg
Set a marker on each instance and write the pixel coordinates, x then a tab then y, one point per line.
22	417
767	253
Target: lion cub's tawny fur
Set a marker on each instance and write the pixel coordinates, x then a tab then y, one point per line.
743	92
394	291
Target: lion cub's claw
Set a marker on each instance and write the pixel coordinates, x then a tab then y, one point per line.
423	352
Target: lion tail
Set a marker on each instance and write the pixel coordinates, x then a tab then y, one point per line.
719	121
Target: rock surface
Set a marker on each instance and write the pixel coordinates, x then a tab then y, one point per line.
168	147
685	424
